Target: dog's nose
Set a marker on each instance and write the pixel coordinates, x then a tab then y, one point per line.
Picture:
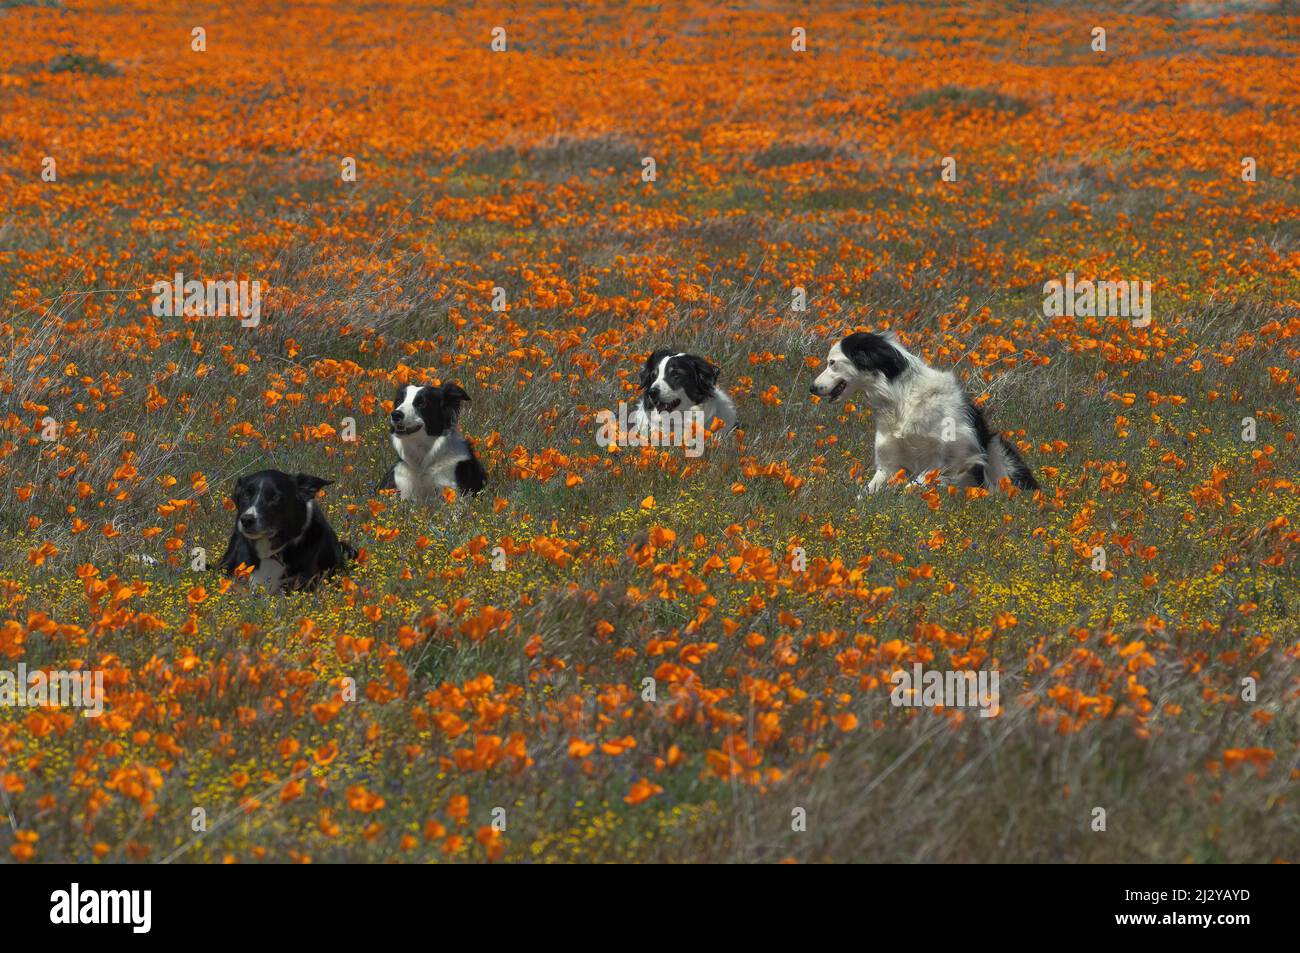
246	520
397	416
813	390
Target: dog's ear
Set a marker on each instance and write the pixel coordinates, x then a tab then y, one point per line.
871	352
309	486
651	366
701	376
454	394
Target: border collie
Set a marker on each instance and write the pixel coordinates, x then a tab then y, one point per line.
924	420
431	453
672	381
282	533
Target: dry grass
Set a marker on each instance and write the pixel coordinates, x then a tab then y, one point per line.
521	690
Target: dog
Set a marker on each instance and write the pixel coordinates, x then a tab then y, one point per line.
431	453
924	420
675	382
282	532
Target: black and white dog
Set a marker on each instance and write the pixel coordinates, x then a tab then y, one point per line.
672	381
924	420
431	453
282	533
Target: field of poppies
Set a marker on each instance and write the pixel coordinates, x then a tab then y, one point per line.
620	653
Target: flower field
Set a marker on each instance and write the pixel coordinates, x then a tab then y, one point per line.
624	653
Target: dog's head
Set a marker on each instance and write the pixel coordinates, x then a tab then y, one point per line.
430	410
272	505
669	379
861	362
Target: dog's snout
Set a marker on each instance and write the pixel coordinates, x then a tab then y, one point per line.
397	415
813	390
247	520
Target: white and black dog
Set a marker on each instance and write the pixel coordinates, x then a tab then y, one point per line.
282	533
675	382
431	453
924	420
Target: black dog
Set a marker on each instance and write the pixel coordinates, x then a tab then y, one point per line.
431	453
282	533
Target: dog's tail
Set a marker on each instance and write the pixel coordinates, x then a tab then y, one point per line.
1005	461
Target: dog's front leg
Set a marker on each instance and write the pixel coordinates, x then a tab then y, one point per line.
886	463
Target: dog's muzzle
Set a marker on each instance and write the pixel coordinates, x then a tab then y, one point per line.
833	393
661	405
397	427
250	527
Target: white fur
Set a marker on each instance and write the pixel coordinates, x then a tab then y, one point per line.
921	421
407	406
269	573
427	465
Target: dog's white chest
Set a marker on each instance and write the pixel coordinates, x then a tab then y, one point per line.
413	484
269	573
915	445
425	476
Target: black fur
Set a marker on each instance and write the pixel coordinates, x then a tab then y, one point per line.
239	551
978	423
652	367
982	433
873	352
311	549
438	407
693	375
1020	474
470	476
